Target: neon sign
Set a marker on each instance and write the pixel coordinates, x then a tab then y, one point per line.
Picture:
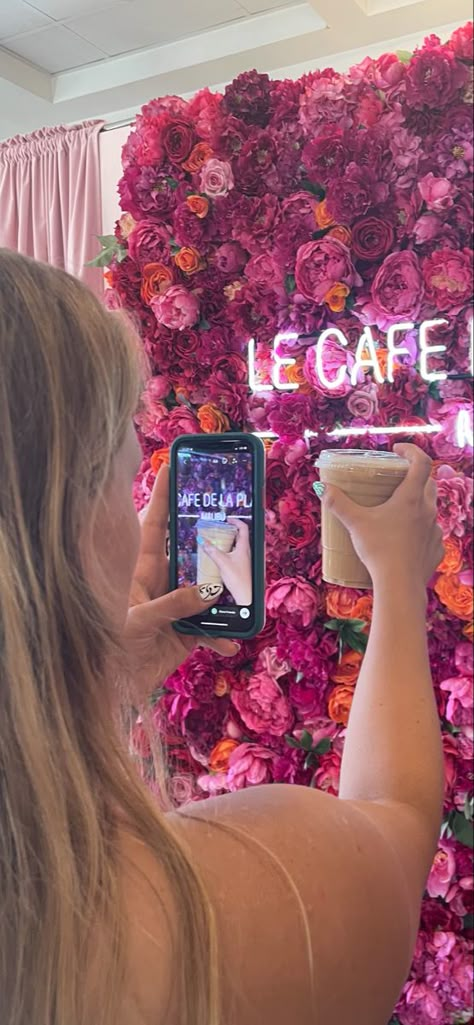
366	359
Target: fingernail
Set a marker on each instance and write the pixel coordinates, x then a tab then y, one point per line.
200	540
209	592
319	489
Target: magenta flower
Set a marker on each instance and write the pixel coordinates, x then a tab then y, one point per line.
319	265
455	512
293	599
460	700
397	291
250	765
262	705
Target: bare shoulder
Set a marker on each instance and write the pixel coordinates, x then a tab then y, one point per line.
314	914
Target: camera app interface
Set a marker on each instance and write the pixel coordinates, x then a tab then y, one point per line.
214	535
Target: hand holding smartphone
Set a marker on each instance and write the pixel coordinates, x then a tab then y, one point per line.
217	530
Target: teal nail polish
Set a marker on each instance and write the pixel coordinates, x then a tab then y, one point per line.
319	489
200	540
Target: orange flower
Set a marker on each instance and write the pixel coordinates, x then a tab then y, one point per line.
363	608
452	561
339	704
219	757
341	233
156	280
189	260
457	597
212	419
340	603
323	218
382	360
198	156
469	631
160	458
109	278
348	669
223	683
199	205
336	297
295	375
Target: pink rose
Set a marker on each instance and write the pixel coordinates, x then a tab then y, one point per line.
363	403
321	264
448	275
334	357
216	178
292	598
438	193
454	502
397	291
249	765
271	664
262	706
328	772
460	700
177	308
427	227
442	872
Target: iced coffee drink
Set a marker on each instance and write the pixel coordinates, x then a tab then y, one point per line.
222	536
368	478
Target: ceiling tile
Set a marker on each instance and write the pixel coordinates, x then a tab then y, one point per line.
16	16
136	23
53	49
60	10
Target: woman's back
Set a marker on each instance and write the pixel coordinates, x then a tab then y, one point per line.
272	905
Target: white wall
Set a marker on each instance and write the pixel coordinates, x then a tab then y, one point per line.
110	149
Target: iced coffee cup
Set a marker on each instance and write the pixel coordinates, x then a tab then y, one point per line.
368	478
222	536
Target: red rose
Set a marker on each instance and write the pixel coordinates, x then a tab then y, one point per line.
372	238
177	140
326	156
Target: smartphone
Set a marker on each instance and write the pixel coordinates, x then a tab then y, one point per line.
217	530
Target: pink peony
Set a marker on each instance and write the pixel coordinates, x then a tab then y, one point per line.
434	77
438	193
249	765
180	421
262	706
149	242
448	275
334	357
216	178
460	700
293	598
230	258
177	308
321	264
422	1006
427	227
461	42
397	291
442	872
454	502
451	442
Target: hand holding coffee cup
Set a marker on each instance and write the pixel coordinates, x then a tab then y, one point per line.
379	514
219	560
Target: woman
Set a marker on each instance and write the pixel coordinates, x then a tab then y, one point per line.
273	905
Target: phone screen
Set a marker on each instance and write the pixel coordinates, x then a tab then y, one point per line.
215	528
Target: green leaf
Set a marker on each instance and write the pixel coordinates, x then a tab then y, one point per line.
332	624
358	625
107	241
204	325
358	642
323	747
404	56
292	742
173	183
306	741
462	829
316	190
468	922
434	392
309	760
290	283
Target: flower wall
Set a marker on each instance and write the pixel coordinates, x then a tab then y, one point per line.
278	210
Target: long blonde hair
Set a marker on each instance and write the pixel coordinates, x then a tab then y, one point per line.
68	386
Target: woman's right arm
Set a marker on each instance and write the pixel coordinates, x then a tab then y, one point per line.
298	877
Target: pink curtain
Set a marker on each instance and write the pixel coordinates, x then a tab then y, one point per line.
50	197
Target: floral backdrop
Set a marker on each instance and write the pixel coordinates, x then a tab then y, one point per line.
284	208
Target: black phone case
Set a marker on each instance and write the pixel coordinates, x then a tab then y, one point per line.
258	555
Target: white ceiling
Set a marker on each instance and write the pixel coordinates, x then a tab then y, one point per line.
66	60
